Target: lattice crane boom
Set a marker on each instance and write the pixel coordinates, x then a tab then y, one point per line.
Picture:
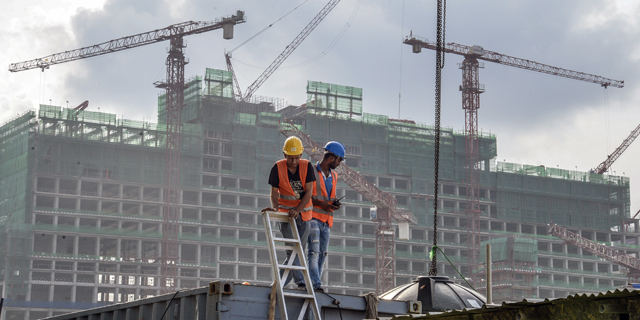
237	92
124	43
606	164
418	43
288	50
352	178
600	250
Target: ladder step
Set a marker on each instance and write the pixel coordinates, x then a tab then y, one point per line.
280	219
287	240
285	247
284	266
298	295
278	215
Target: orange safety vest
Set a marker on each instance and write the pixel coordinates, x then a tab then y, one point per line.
318	212
287	199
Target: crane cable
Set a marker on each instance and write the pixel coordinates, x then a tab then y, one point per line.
442	9
267	27
400	80
606	120
321	54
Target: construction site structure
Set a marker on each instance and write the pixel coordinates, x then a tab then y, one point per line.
631	262
173	101
471	90
81	198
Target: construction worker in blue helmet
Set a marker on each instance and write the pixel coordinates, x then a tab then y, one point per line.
324	204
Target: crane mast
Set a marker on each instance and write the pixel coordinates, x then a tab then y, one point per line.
600	250
237	93
174	103
606	164
471	90
386	204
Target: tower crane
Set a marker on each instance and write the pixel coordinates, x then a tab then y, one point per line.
630	262
174	87
387	208
471	90
606	164
281	58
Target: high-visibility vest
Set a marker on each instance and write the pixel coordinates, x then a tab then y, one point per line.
318	212
287	199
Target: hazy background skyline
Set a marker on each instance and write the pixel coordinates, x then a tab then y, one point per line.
537	118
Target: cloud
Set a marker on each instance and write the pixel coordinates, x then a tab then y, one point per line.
536	117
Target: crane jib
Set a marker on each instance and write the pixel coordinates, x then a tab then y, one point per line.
479	53
141	39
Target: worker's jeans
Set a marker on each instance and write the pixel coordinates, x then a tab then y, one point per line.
318	242
303	232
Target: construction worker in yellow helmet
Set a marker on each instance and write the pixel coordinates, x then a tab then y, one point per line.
291	181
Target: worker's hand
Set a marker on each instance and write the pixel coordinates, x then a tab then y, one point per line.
293	213
328	206
269	209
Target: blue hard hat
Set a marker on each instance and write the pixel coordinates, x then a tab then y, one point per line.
336	148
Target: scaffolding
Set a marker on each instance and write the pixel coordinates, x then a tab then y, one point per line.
513	266
566	197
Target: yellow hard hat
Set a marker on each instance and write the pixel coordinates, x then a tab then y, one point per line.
293	146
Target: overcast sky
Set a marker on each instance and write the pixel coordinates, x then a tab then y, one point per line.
537	118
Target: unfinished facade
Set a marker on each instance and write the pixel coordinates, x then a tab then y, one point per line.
81	201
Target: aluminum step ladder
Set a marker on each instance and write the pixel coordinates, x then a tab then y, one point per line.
277	243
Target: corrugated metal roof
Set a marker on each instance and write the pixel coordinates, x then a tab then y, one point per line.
576	306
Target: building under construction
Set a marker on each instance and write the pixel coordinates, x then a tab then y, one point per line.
81	201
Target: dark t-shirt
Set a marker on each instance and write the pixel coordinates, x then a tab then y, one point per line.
294	179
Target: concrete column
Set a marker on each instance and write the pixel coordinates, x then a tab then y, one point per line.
95	292
51	293
28	296
97	252
54	241
73	290
118	244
